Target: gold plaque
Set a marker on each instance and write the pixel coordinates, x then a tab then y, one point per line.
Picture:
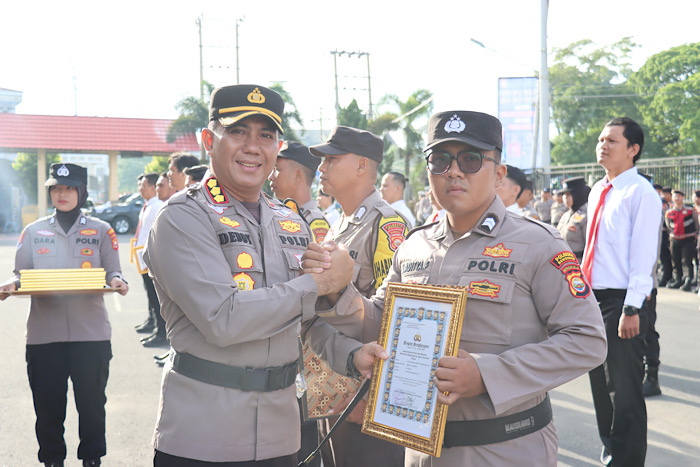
420	324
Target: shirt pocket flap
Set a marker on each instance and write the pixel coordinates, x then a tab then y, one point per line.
243	259
294	258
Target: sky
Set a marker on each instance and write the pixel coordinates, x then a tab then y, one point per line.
139	58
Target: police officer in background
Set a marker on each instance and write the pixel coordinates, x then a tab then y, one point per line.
68	336
371	230
225	262
682	224
543	206
558	207
295	170
572	225
530	324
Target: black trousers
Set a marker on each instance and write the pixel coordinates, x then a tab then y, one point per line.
682	254
616	385
153	304
162	459
652	337
349	447
665	257
49	366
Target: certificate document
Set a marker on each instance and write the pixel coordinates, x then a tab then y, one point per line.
420	324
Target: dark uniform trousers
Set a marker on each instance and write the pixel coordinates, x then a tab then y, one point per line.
616	385
162	459
49	366
153	304
665	257
682	254
374	451
652	337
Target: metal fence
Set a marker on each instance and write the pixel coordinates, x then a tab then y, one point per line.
677	172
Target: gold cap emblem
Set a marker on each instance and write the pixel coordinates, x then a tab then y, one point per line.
256	97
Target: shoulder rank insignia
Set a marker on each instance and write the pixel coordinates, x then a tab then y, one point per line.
215	192
498	251
489	223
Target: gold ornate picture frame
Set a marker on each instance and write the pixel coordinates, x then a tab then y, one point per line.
420	324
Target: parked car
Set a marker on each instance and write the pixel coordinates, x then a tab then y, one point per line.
122	215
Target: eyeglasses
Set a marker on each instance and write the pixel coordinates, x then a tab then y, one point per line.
469	162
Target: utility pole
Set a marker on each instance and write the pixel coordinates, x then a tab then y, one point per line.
201	61
238	78
337	53
544	89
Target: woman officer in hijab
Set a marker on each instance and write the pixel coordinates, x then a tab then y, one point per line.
68	336
572	224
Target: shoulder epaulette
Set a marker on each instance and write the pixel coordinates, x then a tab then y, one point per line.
421	227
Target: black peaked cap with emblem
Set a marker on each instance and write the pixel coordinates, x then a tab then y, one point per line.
346	140
480	130
230	104
299	153
67	174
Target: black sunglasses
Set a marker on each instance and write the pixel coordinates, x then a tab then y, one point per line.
469	162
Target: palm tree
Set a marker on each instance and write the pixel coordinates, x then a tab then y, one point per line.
405	114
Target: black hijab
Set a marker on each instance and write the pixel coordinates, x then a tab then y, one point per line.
66	219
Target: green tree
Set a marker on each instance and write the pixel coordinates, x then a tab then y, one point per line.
291	114
588	88
669	88
194	115
25	164
409	117
158	164
352	116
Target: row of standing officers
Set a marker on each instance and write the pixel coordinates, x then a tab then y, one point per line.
240	276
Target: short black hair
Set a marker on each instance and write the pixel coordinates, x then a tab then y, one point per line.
151	178
399	177
182	160
667	189
632	132
196	172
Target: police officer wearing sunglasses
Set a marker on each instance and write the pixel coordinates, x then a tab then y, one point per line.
531	322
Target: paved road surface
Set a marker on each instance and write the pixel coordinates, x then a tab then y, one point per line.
133	388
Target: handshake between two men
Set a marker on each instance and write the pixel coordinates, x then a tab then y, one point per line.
331	267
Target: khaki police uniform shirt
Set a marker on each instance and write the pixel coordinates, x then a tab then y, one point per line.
89	243
316	220
557	211
371	234
231	292
531	322
572	227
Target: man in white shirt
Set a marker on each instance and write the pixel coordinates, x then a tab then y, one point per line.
328	205
621	250
151	206
392	188
512	187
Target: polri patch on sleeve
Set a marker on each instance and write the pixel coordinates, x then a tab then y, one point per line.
566	262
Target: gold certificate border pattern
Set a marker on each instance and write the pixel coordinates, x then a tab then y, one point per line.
456	297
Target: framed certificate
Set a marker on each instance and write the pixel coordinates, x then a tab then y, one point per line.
420	324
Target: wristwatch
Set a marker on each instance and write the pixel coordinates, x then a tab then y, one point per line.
630	310
350	368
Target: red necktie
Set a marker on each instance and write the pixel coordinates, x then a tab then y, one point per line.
593	234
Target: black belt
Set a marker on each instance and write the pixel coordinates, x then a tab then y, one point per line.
245	379
497	430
